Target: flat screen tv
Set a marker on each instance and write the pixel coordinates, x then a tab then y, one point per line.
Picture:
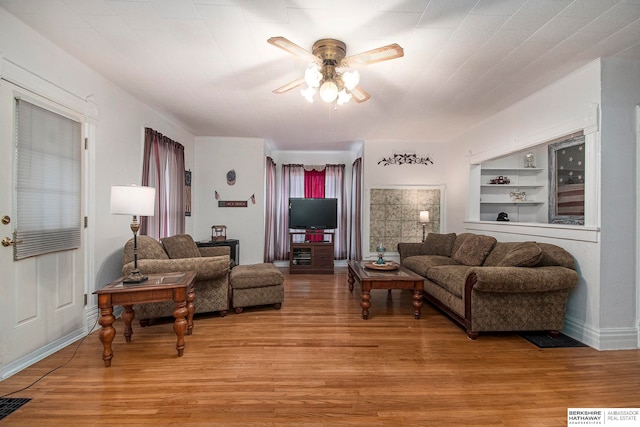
313	214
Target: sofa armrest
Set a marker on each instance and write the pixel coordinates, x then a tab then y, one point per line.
521	279
205	267
209	251
408	249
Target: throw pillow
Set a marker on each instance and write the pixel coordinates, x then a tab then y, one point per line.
438	244
180	246
525	254
475	249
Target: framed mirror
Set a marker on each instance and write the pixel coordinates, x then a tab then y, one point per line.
566	179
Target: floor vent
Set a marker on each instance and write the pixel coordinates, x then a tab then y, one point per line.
8	405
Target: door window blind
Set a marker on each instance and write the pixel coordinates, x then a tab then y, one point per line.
47	182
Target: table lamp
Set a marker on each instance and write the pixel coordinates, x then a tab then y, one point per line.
424	219
136	201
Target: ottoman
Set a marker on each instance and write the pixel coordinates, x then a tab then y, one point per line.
256	284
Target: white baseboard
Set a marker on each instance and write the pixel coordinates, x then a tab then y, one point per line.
602	339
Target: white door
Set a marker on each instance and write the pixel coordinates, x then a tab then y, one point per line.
41	298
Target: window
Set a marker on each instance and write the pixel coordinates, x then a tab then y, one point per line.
47	182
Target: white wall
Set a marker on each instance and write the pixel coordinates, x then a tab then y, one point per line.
214	157
620	95
594	313
115	149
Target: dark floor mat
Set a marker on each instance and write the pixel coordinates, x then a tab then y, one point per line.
543	340
8	405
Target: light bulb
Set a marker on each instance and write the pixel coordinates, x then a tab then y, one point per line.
328	91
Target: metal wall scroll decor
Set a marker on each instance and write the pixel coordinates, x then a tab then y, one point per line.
406	159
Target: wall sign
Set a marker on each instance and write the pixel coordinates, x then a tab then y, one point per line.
232	203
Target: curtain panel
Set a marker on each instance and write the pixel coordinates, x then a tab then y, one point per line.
355	213
270	220
291	185
314	188
335	188
163	168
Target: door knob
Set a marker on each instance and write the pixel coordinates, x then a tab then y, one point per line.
7	242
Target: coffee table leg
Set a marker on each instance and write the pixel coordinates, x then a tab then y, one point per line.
350	280
191	309
365	303
127	318
107	333
180	324
417	303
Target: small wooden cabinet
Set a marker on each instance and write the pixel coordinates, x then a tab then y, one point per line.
311	253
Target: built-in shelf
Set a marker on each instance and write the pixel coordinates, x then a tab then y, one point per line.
497	198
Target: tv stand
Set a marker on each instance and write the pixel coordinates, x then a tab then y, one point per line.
311	257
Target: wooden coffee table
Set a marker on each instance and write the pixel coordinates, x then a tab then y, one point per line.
401	278
176	287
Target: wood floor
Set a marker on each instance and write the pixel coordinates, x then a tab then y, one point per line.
315	362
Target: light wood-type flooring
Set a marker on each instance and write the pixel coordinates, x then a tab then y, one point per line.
316	362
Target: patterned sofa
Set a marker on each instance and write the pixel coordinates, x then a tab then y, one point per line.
180	253
486	285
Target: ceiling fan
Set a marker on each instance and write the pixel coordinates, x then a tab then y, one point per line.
332	71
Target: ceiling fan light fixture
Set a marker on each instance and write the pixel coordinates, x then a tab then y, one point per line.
308	93
313	76
328	91
351	79
343	97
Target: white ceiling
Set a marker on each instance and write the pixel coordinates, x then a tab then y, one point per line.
207	63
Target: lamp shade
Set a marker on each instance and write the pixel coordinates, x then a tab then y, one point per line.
424	217
133	200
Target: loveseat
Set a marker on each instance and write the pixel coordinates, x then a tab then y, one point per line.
180	253
490	286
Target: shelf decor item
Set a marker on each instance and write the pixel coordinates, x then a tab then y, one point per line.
218	233
380	250
528	160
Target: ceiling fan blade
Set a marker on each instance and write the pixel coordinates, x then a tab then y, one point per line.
359	95
372	56
290	86
293	48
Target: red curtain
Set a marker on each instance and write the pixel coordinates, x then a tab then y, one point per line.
314	188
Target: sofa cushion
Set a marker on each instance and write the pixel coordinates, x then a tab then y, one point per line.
555	255
180	246
524	254
438	244
460	238
148	248
474	249
449	277
421	263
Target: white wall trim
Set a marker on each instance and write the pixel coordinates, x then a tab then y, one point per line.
637	225
601	339
42	352
554	231
31	82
